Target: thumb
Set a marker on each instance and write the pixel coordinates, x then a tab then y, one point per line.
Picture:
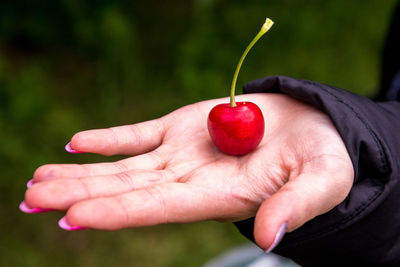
298	201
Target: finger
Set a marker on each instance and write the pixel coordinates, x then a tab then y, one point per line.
154	160
127	140
61	194
159	204
297	202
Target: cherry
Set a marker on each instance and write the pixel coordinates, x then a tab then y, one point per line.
237	128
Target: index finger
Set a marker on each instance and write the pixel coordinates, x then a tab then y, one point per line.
127	140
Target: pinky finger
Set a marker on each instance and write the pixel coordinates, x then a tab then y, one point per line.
160	204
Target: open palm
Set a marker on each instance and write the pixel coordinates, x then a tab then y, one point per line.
301	169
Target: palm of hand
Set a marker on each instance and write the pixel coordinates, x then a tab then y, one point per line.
179	176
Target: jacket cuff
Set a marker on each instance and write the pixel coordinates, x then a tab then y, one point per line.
367	128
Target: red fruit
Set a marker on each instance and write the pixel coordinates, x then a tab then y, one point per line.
236	130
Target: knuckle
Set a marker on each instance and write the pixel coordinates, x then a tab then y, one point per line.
126	179
115	139
136	134
85	187
121	166
124	210
159	200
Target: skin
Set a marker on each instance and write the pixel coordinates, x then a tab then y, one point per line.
175	174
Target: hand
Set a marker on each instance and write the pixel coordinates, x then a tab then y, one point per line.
300	170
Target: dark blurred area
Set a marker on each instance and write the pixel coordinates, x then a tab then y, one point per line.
72	65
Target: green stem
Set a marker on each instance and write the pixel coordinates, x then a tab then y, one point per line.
266	26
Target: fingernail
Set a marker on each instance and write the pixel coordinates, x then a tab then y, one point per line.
278	237
69	149
30	183
66	226
26	209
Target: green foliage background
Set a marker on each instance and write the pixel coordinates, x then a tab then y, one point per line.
71	65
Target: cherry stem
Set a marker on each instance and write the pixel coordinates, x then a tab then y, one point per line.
265	27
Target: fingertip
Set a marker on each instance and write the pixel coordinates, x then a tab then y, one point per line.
34	199
95	213
30	198
278	237
39	172
75	216
69	149
45	172
30	183
91	141
269	236
49	195
64	224
24	207
81	141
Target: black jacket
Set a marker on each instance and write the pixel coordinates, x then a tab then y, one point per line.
364	230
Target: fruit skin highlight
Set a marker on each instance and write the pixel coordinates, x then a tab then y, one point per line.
238	128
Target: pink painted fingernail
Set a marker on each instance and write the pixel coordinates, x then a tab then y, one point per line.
30	183
278	237
66	226
69	149
26	209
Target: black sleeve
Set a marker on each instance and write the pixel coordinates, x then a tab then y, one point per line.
365	228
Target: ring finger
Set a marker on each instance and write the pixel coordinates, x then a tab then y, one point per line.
154	160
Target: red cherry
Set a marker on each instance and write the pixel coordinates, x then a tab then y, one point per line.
236	130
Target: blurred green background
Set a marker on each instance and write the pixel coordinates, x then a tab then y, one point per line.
72	65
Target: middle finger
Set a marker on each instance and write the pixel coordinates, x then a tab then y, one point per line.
62	193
